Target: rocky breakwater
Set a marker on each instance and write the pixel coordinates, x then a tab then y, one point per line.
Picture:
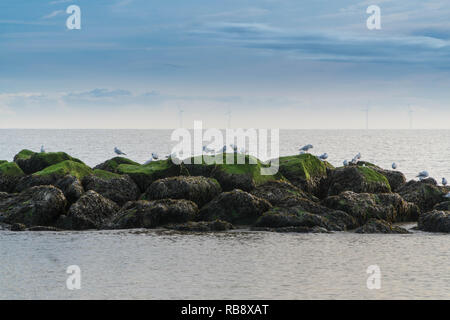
55	191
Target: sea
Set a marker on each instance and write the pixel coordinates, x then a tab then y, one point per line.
238	264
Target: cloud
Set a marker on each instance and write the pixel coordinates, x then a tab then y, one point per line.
53	14
100	93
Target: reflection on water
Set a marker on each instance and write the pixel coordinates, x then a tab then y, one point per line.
159	264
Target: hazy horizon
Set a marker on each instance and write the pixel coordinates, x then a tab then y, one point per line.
270	64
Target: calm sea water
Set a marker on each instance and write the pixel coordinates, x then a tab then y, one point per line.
155	264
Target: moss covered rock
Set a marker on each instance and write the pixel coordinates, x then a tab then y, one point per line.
364	206
304	171
237	207
145	175
357	179
118	189
151	214
36	206
111	165
245	175
425	194
200	190
67	167
280	192
10	175
91	211
380	226
31	162
395	178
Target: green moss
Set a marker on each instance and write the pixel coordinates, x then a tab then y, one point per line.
23	155
371	175
51	158
3	161
76	169
105	174
10	169
305	166
113	164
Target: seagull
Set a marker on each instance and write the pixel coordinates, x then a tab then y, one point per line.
42	149
155	156
148	161
444	182
323	156
422	175
447	195
306	148
117	151
394	166
356	158
345	163
224	149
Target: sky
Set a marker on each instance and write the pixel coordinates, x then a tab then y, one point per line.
309	64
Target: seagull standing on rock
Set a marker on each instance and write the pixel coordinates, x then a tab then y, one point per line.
306	148
444	182
155	156
345	163
42	149
117	151
323	156
394	166
422	175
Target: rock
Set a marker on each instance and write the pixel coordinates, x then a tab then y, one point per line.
425	194
237	207
64	168
200	190
10	174
18	227
380	226
31	162
236	171
304	171
118	189
364	206
145	175
435	221
151	214
202	226
443	206
395	178
40	205
279	192
43	228
358	179
111	165
291	217
338	220
91	211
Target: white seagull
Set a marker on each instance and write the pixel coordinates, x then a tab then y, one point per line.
306	148
444	181
422	175
345	163
323	156
42	149
117	151
155	156
394	166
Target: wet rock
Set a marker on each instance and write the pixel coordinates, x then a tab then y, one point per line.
364	206
40	205
395	178
111	165
358	179
31	162
10	174
200	190
91	211
435	221
202	226
426	194
18	227
380	226
291	217
304	171
118	189
237	207
443	206
151	214
279	192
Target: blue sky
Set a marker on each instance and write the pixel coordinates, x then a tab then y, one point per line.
277	64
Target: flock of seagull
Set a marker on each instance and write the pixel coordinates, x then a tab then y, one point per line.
305	149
